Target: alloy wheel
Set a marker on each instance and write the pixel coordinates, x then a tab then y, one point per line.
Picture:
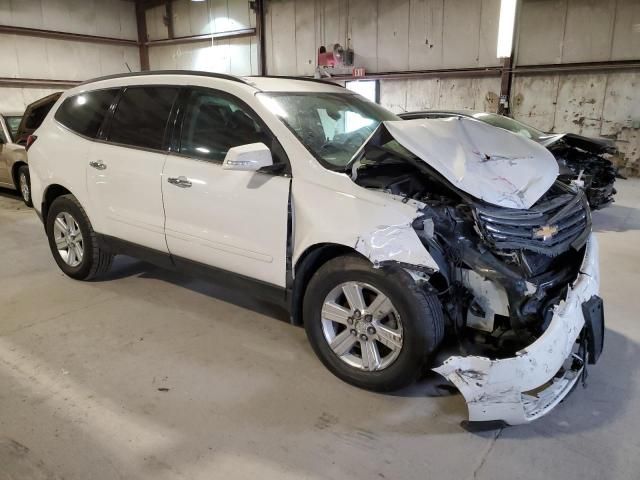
68	239
361	326
24	188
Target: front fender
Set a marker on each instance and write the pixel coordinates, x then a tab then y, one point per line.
372	223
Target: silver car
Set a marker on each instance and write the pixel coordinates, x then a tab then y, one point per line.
15	133
14	172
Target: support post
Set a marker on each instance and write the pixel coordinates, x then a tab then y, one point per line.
506	76
168	15
259	7
141	22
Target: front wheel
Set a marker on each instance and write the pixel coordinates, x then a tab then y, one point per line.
73	242
24	185
372	327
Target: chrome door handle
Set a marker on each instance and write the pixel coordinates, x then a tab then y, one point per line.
99	165
182	182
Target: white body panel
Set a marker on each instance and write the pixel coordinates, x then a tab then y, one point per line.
125	197
232	220
373	223
61	159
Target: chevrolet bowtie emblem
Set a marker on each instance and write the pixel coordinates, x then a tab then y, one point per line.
545	232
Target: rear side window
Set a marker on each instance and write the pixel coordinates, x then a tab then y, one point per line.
85	113
141	116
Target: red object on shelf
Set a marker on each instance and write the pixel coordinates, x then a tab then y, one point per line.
326	59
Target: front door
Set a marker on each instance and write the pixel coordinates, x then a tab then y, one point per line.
232	220
125	170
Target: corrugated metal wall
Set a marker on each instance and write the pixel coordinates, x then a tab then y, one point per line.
43	58
386	35
440	34
235	56
592	104
391	36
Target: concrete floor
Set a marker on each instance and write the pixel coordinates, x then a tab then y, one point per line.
149	374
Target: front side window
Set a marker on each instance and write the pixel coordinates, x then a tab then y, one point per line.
141	116
85	113
332	126
213	123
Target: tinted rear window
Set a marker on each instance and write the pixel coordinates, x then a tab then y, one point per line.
141	116
84	113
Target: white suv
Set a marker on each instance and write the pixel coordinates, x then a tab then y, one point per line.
383	237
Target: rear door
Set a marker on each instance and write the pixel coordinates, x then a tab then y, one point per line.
125	167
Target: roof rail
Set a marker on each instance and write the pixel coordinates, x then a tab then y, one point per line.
197	73
305	79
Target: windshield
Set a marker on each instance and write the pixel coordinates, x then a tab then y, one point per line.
509	124
13	122
332	126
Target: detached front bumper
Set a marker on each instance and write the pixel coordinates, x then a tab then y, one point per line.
502	390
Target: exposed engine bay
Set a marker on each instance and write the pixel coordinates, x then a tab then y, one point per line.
501	270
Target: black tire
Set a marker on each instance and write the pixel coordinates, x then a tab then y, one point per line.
420	312
95	260
25	193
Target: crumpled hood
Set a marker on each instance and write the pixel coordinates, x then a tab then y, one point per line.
491	164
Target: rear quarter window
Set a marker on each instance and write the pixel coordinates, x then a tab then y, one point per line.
85	113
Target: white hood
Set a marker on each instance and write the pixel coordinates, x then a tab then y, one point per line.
492	164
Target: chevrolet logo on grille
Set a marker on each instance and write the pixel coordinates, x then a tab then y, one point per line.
545	232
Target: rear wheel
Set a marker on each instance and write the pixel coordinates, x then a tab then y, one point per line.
73	242
372	327
24	185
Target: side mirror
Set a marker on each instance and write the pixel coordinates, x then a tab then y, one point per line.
248	158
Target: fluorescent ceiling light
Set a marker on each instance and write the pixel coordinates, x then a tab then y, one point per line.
505	28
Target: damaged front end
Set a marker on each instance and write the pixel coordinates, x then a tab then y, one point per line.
585	161
518	284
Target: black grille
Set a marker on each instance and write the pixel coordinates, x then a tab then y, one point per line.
558	220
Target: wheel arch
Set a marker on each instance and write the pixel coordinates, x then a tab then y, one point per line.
52	192
14	172
306	266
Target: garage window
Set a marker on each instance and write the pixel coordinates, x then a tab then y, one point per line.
141	116
85	113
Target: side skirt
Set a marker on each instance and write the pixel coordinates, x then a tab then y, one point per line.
257	288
